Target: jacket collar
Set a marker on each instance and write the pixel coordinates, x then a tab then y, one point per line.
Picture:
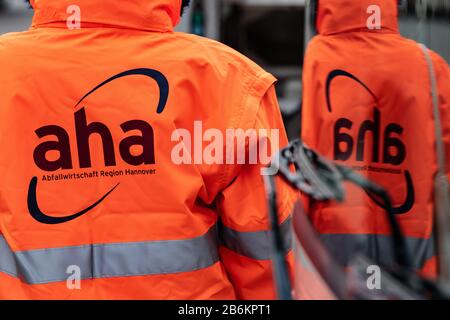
338	16
152	15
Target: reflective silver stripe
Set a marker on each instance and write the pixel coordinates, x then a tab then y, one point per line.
7	263
111	260
255	245
377	247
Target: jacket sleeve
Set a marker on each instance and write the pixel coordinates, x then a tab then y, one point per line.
245	242
443	83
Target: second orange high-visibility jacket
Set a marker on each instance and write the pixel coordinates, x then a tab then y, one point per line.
89	185
367	92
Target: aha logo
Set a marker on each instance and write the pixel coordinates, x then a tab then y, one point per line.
393	150
83	131
390	142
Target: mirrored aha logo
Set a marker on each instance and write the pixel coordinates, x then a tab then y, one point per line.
343	130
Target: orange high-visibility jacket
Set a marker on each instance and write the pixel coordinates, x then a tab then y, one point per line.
89	187
368	105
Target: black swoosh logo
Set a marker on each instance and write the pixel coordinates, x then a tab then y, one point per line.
341	73
410	195
33	206
160	79
409	201
41	217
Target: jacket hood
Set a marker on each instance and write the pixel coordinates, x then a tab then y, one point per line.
337	16
152	15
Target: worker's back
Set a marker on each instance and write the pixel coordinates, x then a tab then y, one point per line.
368	91
96	180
